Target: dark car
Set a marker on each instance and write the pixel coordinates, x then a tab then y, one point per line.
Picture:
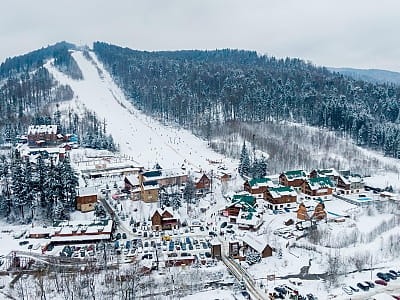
30	246
280	290
383	276
224	224
391	276
229	226
381	282
354	289
397	274
212	233
118	236
124	235
370	284
23	243
363	287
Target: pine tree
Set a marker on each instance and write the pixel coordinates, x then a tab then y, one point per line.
244	164
18	197
176	201
259	168
189	192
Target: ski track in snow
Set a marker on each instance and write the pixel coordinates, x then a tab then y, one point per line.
139	136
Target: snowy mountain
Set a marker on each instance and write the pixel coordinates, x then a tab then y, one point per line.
143	138
370	75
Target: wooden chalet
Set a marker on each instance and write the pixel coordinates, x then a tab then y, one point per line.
293	178
319	212
256	244
163	219
238	203
280	197
86	199
318	187
42	135
132	185
258	186
149	191
350	184
203	184
331	173
164	177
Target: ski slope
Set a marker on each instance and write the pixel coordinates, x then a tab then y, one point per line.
139	136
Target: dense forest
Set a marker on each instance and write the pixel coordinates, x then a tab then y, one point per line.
203	90
43	189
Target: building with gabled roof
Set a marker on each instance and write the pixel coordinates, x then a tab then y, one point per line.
164	177
280	197
256	244
331	173
293	178
149	191
163	219
239	203
350	184
257	186
249	219
318	187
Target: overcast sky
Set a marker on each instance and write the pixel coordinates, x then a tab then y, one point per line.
351	33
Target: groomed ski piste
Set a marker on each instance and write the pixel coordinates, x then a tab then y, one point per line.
138	136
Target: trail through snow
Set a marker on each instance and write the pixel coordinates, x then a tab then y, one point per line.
139	136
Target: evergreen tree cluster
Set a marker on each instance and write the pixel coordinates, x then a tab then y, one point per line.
199	89
64	61
37	189
256	168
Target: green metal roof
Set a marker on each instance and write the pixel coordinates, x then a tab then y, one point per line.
255	181
295	173
321	182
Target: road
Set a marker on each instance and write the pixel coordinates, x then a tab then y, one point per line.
241	274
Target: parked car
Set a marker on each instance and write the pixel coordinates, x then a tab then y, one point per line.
370	284
118	236
354	289
383	276
224	224
391	276
23	243
124	235
347	290
381	282
397	274
363	287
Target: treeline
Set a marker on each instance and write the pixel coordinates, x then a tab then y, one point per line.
31	61
64	61
199	89
43	188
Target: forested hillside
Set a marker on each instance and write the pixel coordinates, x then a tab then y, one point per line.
28	90
203	89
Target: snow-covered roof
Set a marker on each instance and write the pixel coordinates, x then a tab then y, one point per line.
162	174
256	242
320	183
327	172
37	129
133	179
259	182
248	218
87	191
296	174
85	237
150	185
352	179
278	192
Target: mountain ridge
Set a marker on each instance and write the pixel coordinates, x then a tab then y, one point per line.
370	75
